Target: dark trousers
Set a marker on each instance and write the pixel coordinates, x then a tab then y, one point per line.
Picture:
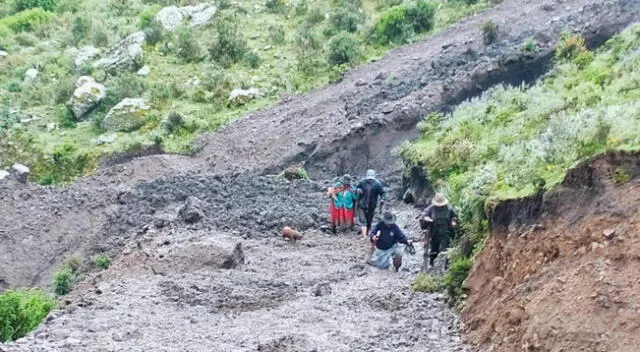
438	243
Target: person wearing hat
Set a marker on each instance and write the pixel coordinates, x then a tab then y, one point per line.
370	190
342	206
439	219
385	236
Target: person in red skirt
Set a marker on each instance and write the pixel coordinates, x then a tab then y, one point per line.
342	205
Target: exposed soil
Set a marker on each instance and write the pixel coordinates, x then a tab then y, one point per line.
567	281
184	300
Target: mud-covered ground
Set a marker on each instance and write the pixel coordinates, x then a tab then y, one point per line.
166	290
169	294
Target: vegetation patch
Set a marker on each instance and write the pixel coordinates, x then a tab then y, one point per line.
513	141
21	311
428	283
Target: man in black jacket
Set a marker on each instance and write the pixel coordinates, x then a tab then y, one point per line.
439	219
370	190
385	236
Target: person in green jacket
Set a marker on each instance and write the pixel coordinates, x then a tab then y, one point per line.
344	198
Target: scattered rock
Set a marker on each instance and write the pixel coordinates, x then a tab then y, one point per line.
31	75
191	211
172	17
21	172
360	83
104	139
3	174
609	233
387	108
83	55
144	71
127	54
86	96
243	96
130	114
51	127
3	54
323	289
236	258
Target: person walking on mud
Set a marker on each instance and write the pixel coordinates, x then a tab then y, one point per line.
438	220
342	205
386	236
370	190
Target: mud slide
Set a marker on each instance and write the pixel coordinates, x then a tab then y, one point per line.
162	293
560	271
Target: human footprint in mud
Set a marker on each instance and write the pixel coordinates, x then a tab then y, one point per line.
439	221
386	236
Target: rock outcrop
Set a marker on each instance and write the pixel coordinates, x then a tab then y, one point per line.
129	115
172	17
243	96
126	55
86	96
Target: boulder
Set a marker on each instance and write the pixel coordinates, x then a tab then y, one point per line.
126	55
172	17
84	55
31	75
243	96
21	172
191	211
3	174
130	114
86	96
3	54
144	71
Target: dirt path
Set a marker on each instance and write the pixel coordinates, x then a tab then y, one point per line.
317	295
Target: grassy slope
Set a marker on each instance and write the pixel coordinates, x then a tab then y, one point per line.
105	22
513	140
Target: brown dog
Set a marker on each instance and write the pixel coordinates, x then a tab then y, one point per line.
291	234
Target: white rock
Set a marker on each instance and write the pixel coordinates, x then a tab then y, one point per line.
3	53
243	96
130	114
104	139
31	74
145	70
86	96
172	17
127	54
3	174
21	172
84	55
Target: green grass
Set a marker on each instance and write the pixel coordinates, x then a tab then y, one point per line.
21	311
285	50
513	141
102	261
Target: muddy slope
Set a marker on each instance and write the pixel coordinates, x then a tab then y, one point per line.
357	123
171	292
565	278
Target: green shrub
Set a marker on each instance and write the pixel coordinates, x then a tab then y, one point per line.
79	29
347	19
223	4
6	37
62	281
314	16
336	73
47	5
276	6
71	6
187	48
427	283
100	37
276	34
301	7
570	47
393	26
102	261
22	311
583	59
455	276
343	49
147	15
421	16
530	45
489	32
154	33
65	118
385	4
26	20
14	86
251	59
229	46
125	85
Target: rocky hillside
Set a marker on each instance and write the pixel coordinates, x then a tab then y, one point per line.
83	79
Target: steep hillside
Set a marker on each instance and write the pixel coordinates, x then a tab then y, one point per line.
196	66
559	269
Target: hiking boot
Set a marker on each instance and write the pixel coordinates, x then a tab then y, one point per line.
397	263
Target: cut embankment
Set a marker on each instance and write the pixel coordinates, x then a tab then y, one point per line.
564	278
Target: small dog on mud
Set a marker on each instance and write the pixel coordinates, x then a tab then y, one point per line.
291	234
